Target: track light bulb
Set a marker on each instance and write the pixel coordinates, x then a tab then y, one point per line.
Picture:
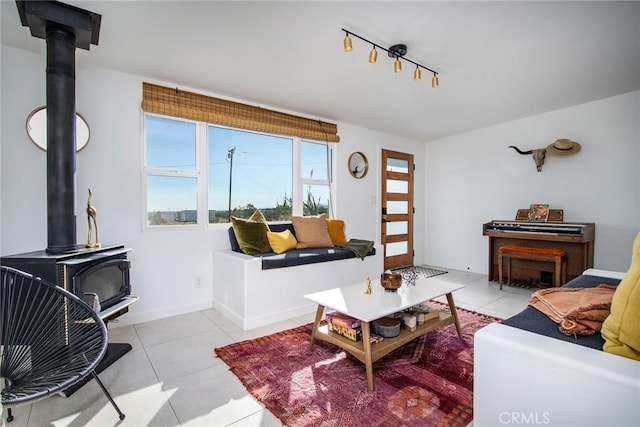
348	47
397	66
434	81
373	55
417	74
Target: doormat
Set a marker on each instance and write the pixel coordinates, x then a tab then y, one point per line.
426	382
528	284
423	270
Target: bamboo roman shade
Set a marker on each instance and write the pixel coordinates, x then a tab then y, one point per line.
193	106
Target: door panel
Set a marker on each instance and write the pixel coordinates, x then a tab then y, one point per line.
397	209
399	227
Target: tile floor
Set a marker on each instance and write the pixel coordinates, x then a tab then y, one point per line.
172	378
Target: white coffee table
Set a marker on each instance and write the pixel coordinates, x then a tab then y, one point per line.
353	301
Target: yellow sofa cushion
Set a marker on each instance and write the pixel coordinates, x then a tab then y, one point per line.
621	329
282	241
336	231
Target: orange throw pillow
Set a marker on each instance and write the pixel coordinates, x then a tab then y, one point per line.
336	231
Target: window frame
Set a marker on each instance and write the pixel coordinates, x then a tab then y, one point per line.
200	173
298	208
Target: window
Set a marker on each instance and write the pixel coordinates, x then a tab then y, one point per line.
315	178
243	171
171	171
249	170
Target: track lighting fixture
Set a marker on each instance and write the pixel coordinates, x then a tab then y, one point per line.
434	81
397	51
348	47
397	65
373	55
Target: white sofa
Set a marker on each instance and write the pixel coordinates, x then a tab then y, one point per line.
253	297
524	378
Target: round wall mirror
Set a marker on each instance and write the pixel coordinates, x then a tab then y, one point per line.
358	165
37	129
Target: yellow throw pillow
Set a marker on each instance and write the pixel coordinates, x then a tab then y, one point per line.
282	241
336	231
252	233
311	231
621	330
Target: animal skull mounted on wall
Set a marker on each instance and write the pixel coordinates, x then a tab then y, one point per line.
561	147
537	154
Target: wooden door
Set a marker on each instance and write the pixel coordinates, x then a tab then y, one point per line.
397	209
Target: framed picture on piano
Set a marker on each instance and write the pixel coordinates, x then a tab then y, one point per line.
538	212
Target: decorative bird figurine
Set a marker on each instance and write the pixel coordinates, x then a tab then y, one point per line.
91	216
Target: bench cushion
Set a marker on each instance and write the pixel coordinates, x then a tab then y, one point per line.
533	251
295	256
307	256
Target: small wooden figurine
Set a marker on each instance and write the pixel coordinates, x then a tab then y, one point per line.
368	291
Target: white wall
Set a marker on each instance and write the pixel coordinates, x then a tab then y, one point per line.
473	178
468	179
164	263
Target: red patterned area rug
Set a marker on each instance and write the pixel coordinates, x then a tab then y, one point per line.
427	382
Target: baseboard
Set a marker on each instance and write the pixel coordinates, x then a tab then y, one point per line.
229	314
256	322
134	317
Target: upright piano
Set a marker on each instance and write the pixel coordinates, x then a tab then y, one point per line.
577	238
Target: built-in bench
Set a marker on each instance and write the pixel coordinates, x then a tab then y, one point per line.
256	290
296	256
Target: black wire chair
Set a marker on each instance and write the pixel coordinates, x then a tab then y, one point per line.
49	340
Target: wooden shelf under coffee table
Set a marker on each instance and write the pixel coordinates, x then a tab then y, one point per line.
353	301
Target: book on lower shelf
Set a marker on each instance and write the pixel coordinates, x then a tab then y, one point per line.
427	311
354	334
342	319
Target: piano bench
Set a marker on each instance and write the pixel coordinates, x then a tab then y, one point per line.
557	256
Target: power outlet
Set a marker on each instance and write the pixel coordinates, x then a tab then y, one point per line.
198	282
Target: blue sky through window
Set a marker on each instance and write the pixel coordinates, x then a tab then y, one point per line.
170	143
262	168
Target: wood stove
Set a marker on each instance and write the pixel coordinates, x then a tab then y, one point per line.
98	275
76	268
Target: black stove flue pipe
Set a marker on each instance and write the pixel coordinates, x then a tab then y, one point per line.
65	28
61	137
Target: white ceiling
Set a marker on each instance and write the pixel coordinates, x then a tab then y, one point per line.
498	61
